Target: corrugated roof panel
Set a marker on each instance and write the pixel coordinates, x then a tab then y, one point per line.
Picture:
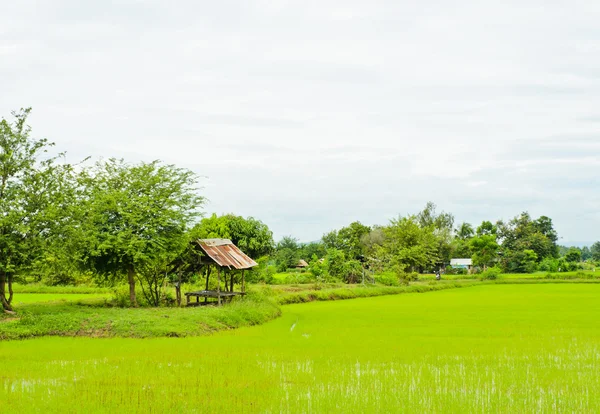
226	254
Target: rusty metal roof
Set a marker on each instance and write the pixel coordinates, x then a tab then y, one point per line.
226	254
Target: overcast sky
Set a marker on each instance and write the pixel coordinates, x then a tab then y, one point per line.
312	114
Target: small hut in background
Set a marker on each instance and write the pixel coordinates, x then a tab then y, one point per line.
301	264
221	254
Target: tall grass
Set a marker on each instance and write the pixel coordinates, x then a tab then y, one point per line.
490	348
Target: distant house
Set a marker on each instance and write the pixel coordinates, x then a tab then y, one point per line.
462	264
301	264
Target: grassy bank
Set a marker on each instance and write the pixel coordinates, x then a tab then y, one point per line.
38	288
73	319
342	293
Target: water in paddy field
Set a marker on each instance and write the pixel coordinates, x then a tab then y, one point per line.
513	348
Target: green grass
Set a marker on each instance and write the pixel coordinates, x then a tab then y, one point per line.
23	298
489	348
86	316
37	288
580	274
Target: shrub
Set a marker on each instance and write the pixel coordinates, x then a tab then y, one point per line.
353	271
387	279
491	273
455	271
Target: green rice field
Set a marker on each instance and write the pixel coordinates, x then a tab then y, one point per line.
489	348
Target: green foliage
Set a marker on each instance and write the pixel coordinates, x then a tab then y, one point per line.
491	273
549	264
353	271
485	248
252	236
408	245
522	234
134	220
595	251
335	262
348	239
387	278
318	268
34	191
456	270
465	231
573	255
286	258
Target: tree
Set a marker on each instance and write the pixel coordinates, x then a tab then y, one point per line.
586	253
309	250
252	236
288	242
33	191
573	255
408	245
522	233
485	250
465	231
348	239
595	251
486	228
135	218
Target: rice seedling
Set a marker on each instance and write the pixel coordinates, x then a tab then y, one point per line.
490	348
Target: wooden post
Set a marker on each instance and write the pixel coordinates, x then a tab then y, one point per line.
243	283
178	289
207	276
219	285
187	297
231	283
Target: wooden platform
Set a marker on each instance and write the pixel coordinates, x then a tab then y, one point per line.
210	294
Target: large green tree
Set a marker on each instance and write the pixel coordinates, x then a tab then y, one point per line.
135	218
33	192
252	236
595	251
523	233
348	239
409	246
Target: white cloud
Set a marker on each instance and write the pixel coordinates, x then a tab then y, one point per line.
309	115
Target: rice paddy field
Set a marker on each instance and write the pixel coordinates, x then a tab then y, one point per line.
488	348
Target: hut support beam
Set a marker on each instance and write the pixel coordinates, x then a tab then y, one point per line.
219	285
207	276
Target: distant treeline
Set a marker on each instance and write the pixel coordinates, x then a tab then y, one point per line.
112	222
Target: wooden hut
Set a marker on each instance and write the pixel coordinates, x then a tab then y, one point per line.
221	254
302	264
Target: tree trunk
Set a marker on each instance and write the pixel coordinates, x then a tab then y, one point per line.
10	289
5	305
131	280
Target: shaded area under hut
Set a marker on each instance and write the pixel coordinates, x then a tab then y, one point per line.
229	262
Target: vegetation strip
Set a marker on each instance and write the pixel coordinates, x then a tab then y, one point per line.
91	317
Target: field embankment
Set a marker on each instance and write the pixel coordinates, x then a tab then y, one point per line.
96	320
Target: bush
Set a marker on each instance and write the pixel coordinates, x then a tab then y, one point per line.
456	271
353	271
387	279
491	273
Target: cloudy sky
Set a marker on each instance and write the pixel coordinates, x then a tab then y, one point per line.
311	114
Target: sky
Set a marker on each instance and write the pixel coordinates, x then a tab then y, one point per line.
309	115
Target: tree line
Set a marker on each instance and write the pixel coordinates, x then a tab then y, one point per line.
110	222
